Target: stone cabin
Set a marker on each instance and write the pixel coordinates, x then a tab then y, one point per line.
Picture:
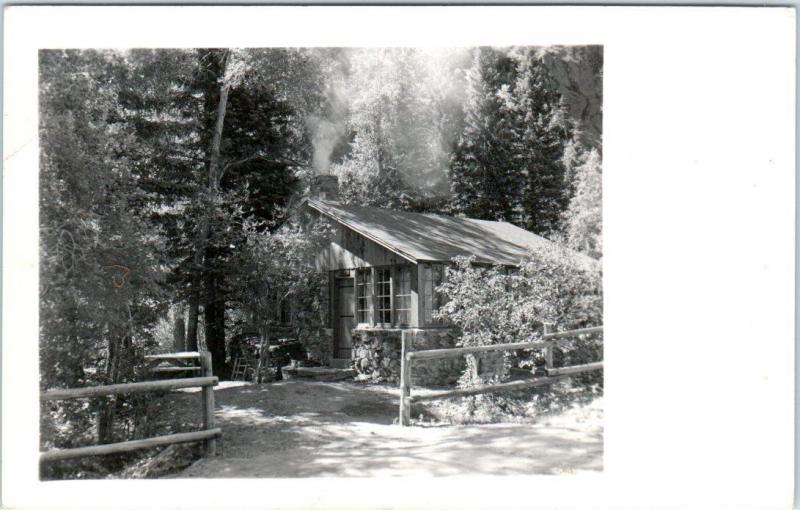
383	266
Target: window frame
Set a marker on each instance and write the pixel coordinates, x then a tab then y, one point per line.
367	286
409	306
378	286
430	296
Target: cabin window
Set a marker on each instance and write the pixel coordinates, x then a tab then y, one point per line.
433	277
402	296
383	295
364	295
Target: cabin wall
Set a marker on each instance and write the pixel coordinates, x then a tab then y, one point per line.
349	249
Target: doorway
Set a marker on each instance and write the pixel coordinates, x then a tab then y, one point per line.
345	318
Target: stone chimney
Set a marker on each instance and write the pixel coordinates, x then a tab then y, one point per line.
325	187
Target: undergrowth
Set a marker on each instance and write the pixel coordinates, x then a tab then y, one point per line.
521	406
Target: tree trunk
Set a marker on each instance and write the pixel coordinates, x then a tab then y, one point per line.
215	338
120	365
105	423
214	173
219	326
194	309
105	418
179	330
214	320
263	372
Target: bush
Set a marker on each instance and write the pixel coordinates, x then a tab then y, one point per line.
493	305
521	406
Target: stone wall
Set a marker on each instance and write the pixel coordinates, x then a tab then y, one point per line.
376	356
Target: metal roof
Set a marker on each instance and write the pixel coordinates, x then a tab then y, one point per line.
430	237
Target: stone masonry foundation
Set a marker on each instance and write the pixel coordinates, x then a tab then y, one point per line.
376	356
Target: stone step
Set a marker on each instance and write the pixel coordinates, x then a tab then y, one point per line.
341	363
318	373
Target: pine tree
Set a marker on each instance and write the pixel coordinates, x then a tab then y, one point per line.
544	132
485	171
508	163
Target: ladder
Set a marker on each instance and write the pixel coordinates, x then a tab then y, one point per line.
242	367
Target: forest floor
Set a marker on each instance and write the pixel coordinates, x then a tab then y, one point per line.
317	429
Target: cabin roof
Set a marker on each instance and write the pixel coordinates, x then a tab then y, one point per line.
434	238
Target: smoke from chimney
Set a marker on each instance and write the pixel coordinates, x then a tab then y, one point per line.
360	80
327	134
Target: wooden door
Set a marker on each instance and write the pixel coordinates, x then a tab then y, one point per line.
345	317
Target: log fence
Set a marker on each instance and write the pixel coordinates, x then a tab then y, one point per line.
155	362
547	343
206	382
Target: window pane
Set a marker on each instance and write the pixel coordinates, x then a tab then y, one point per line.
383	295
402	296
363	295
433	277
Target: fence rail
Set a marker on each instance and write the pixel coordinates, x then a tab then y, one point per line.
407	357
576	369
206	382
122	389
174	355
158	370
178	360
460	351
574	332
129	446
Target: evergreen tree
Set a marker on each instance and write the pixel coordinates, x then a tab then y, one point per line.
99	256
172	100
485	171
543	133
508	163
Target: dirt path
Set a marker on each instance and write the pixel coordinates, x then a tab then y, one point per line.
311	429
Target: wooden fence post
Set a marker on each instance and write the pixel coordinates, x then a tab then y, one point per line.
405	381
548	351
208	403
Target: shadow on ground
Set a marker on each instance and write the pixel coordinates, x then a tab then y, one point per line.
315	429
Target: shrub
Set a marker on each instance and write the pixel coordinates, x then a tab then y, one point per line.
492	305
